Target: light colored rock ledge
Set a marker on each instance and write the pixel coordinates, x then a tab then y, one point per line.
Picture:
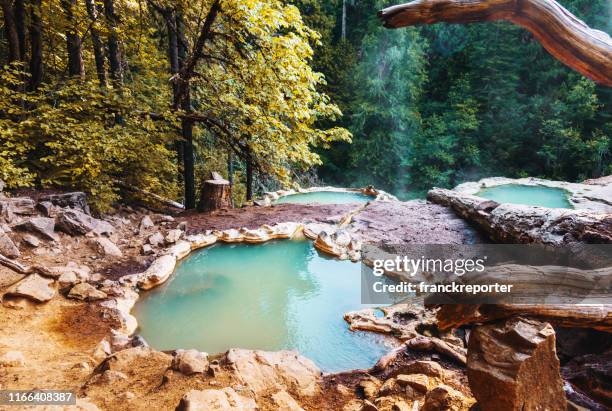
377	195
514	223
328	238
595	198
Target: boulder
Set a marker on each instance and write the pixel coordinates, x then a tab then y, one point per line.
262	371
443	398
12	359
190	362
216	400
419	382
173	236
33	287
285	402
17	205
158	272
43	226
146	249
106	247
156	239
7	246
102	350
67	280
513	365
369	387
592	374
75	222
86	292
48	209
76	200
429	368
145	224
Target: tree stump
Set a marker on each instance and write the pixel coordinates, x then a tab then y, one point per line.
215	194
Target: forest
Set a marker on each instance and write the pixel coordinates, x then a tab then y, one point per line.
114	97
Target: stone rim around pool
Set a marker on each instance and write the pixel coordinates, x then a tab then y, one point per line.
596	199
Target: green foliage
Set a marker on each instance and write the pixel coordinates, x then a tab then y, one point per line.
489	101
384	122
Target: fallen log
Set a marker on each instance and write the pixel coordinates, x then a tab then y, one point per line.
567	38
15	265
598	316
24	269
158	198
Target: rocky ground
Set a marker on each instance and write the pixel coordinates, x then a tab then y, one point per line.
68	281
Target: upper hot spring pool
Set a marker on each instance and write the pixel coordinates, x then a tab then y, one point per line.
528	195
272	296
326	197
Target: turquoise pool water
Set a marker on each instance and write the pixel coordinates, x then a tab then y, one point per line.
325	197
527	195
271	296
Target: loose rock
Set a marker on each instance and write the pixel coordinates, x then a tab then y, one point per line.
33	287
145	224
190	362
31	240
86	292
156	239
75	222
444	398
173	236
17	205
39	225
105	247
369	387
75	199
281	370
146	249
7	246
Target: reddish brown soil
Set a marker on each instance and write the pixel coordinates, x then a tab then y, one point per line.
253	217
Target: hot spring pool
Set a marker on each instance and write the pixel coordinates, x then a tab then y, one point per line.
272	296
528	195
326	197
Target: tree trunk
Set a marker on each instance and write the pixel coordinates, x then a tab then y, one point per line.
73	41
249	179
230	172
567	38
20	25
343	33
114	54
36	56
172	23
188	157
11	32
215	195
230	168
186	124
98	48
